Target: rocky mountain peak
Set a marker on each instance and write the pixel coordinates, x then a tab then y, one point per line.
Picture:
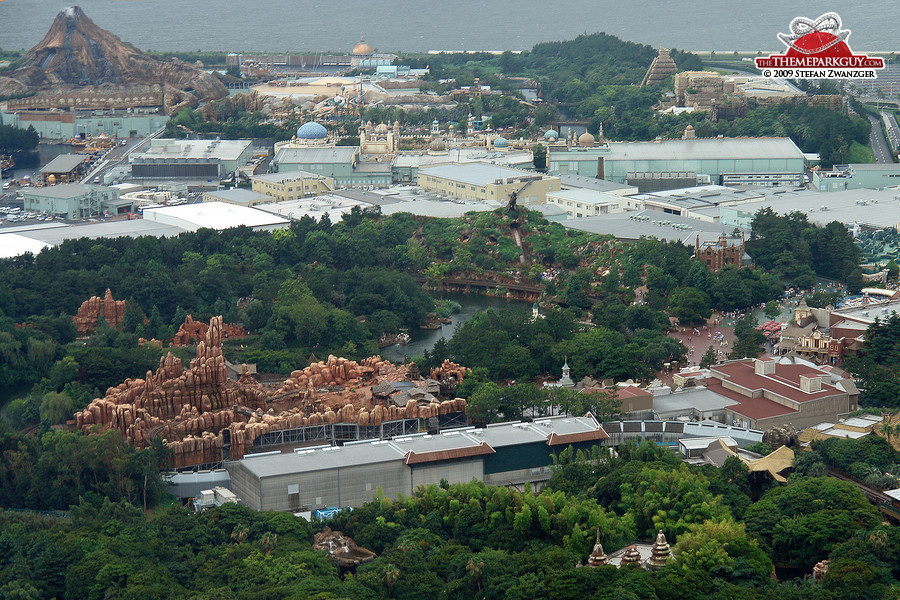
77	53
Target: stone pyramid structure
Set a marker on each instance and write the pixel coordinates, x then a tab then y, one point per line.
661	67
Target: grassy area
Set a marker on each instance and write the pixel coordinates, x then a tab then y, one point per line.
860	154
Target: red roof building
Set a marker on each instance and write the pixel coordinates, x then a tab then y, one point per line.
770	392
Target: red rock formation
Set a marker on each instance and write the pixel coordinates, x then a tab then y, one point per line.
191	408
196	330
89	313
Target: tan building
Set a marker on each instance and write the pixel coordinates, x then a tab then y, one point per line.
769	393
292	185
487	182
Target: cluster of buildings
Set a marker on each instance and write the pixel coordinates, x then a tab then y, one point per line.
711	414
828	335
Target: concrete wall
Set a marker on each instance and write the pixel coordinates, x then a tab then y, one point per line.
345	486
453	472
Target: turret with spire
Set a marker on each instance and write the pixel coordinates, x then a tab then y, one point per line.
597	557
659	552
566	380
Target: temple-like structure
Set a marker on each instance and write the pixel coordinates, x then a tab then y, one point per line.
598	556
659	553
661	67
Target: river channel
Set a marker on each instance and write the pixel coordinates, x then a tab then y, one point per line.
425	339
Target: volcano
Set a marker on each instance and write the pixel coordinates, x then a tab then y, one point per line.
77	56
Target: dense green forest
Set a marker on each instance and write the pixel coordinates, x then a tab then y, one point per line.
878	365
474	541
797	250
17	141
337	287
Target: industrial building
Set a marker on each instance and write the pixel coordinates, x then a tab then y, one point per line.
72	200
237	196
65	125
349	475
487	182
730	161
589	203
190	159
856	176
13	244
340	163
332	205
214	215
65	168
874	209
585	182
292	185
632	226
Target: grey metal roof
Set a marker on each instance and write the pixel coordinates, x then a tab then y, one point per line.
513	434
593	183
548	210
371	453
102	229
879	208
479	173
189	485
586	196
431	208
241	196
64	163
707	149
700	399
625	226
168	149
321	459
64	191
327	155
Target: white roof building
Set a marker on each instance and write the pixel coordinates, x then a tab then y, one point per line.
13	244
214	215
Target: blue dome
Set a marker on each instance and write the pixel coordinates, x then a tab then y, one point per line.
501	142
311	131
551	134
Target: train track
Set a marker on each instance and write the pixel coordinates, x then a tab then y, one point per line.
884	502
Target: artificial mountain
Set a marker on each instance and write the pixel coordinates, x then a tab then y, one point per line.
78	56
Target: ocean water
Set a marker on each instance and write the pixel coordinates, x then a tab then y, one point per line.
422	25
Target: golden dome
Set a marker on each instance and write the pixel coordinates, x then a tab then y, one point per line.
381	129
586	139
362	48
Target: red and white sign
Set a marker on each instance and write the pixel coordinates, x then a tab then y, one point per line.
818	50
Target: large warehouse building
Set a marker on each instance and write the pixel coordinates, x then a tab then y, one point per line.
486	182
190	159
727	161
349	475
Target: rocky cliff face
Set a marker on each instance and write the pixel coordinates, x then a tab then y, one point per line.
77	54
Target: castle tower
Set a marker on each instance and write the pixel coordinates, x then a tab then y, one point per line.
435	128
659	553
